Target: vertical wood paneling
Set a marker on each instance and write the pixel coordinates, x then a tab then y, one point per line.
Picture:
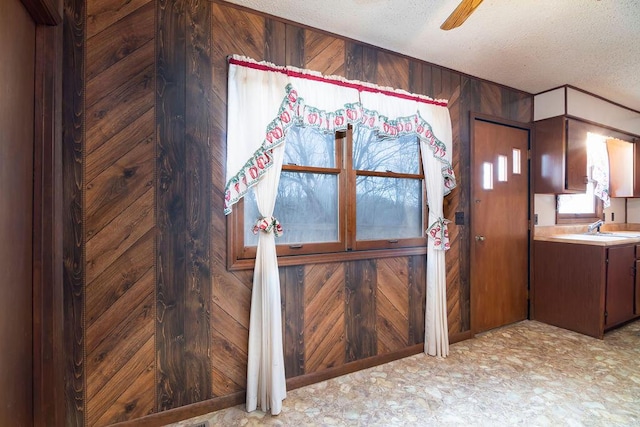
292	297
171	210
360	310
369	64
198	211
73	125
275	45
354	61
416	83
294	50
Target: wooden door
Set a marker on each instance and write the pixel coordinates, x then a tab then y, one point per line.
17	44
499	225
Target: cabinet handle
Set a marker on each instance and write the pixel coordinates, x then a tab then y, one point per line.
480	238
295	246
586	179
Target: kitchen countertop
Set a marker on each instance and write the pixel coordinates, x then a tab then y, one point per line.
603	239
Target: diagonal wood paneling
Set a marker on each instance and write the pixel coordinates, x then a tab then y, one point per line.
244	37
490	99
102	14
230	330
123	105
392	71
119	186
323	53
119	202
118	40
118	355
324	336
231	295
138	132
392	304
231	292
453	203
128	395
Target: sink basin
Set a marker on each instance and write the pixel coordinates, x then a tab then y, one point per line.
589	237
621	234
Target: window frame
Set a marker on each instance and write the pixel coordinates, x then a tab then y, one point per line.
240	257
580	218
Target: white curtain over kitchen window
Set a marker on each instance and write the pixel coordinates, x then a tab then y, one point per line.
264	101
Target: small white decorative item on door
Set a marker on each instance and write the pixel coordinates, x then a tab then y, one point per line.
264	102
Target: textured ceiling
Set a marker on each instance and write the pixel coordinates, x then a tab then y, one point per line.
532	45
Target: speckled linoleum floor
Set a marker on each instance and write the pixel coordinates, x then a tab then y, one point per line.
526	374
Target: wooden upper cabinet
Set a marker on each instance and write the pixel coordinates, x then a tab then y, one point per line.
560	156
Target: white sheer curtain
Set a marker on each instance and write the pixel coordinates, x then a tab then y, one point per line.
436	156
436	341
254	99
264	101
261	109
266	384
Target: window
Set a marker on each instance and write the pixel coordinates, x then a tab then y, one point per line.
578	208
340	193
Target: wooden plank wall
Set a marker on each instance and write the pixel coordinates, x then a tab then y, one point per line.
154	320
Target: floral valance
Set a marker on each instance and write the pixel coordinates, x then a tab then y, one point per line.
265	100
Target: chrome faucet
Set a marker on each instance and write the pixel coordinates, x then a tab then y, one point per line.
595	226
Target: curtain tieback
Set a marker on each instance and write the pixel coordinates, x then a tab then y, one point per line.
439	232
268	224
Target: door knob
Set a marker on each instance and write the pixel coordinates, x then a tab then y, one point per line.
479	238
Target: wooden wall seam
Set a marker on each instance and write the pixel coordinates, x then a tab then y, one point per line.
73	136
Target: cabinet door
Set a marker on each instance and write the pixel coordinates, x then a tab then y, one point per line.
549	155
619	303
576	168
621	179
636	169
637	290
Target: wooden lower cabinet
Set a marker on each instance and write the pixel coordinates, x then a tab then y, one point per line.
584	288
